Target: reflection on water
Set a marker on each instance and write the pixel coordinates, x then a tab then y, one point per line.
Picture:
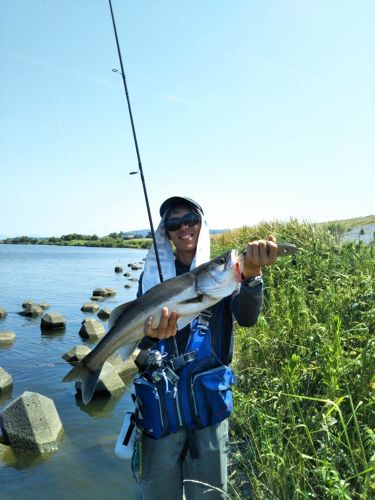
85	465
56	332
21	460
100	407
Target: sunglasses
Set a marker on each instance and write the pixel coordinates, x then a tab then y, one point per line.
175	223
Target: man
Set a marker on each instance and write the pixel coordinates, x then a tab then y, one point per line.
194	463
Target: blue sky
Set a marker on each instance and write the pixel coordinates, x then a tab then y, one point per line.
258	110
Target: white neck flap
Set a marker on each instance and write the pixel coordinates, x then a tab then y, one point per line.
167	261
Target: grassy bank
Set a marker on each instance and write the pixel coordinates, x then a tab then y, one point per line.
348	224
304	421
111	243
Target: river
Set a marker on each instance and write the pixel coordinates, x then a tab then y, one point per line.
84	467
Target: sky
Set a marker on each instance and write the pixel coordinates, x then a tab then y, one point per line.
259	110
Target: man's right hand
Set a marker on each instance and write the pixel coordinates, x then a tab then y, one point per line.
167	325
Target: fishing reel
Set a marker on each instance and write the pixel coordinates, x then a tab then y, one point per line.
160	368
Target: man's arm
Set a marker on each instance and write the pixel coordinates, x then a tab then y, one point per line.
247	302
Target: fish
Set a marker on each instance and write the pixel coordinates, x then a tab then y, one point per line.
285	249
187	294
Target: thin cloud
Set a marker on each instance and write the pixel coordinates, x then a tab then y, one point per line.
60	69
171	98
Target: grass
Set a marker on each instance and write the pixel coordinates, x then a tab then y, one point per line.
305	398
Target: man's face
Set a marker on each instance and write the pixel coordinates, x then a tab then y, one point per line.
185	239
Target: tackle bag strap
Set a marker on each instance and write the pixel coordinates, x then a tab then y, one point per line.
130	429
204	319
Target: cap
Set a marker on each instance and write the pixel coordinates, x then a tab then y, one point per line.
175	200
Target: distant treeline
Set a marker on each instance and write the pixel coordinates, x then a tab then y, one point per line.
113	240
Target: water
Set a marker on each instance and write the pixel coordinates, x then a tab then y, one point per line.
85	466
364	233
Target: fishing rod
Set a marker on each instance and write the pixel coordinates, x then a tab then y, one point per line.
140	169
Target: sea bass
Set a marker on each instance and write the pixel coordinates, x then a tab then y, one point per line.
187	294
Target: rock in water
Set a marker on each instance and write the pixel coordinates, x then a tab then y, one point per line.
31	423
7	338
91	329
89	307
109	381
6	381
97	298
27	303
52	321
32	310
123	368
76	354
104	313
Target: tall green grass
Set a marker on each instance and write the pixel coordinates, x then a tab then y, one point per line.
304	418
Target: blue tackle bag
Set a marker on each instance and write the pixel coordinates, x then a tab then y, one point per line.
191	390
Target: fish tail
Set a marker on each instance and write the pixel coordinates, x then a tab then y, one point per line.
88	378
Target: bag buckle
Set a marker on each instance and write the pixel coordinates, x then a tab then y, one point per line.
204	320
181	360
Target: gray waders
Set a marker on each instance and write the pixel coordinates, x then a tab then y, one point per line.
166	470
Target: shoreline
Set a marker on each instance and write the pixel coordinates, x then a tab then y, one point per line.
140	244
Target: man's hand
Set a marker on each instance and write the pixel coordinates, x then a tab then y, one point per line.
258	254
167	326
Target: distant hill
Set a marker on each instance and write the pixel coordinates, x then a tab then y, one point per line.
137	232
351	223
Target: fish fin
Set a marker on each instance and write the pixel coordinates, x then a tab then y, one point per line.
75	373
88	378
127	350
89	382
193	300
184	321
117	311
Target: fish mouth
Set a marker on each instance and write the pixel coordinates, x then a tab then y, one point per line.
239	265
